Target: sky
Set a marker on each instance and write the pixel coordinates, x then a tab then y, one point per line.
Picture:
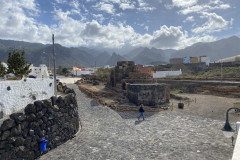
120	24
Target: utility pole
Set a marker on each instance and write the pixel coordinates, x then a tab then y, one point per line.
54	69
49	64
221	70
76	69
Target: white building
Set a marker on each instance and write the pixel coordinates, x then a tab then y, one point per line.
162	74
39	72
88	71
205	60
229	59
4	64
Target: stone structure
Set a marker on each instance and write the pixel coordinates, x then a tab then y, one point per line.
16	94
56	120
139	87
176	60
122	71
153	94
147	70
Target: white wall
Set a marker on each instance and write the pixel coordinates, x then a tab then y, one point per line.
206	60
162	74
79	73
39	72
23	92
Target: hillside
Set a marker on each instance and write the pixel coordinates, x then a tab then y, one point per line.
38	53
144	55
215	50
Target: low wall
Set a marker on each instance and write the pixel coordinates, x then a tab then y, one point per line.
14	95
56	120
148	94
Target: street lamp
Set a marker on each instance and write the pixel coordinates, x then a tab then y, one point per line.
227	129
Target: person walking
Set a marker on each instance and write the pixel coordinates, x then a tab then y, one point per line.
141	110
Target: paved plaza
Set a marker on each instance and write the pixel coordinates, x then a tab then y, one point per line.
107	134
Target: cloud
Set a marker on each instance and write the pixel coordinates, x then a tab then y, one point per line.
189	19
92	30
192	6
175	38
17	20
127	5
106	7
167	37
213	24
184	3
61	1
22	24
143	6
99	17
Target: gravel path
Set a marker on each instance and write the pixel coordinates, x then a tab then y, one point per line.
107	134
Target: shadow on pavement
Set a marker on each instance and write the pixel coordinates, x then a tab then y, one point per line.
138	122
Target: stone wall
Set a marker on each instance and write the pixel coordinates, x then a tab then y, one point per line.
16	94
55	119
121	71
148	94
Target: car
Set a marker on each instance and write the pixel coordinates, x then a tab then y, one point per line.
32	76
51	77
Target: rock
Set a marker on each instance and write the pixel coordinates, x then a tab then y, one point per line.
31	132
27	142
5	135
18	117
19	141
2	151
30	109
16	131
40	122
59	88
39	114
45	119
3	144
33	125
60	101
38	105
31	117
24	125
95	83
53	100
7	124
67	90
55	108
25	133
20	151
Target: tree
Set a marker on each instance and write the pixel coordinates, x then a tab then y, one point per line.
2	70
17	64
65	71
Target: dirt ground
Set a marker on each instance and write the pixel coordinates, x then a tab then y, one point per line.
208	106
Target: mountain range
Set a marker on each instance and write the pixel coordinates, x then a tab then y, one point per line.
37	53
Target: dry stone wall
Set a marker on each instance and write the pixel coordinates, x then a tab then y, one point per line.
54	119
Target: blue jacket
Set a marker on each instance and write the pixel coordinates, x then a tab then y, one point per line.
141	109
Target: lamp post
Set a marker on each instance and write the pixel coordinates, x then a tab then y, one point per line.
227	129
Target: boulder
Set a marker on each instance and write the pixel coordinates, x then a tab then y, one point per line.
5	135
19	141
7	124
18	117
30	109
16	131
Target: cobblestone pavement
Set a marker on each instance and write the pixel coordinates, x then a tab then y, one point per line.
107	134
